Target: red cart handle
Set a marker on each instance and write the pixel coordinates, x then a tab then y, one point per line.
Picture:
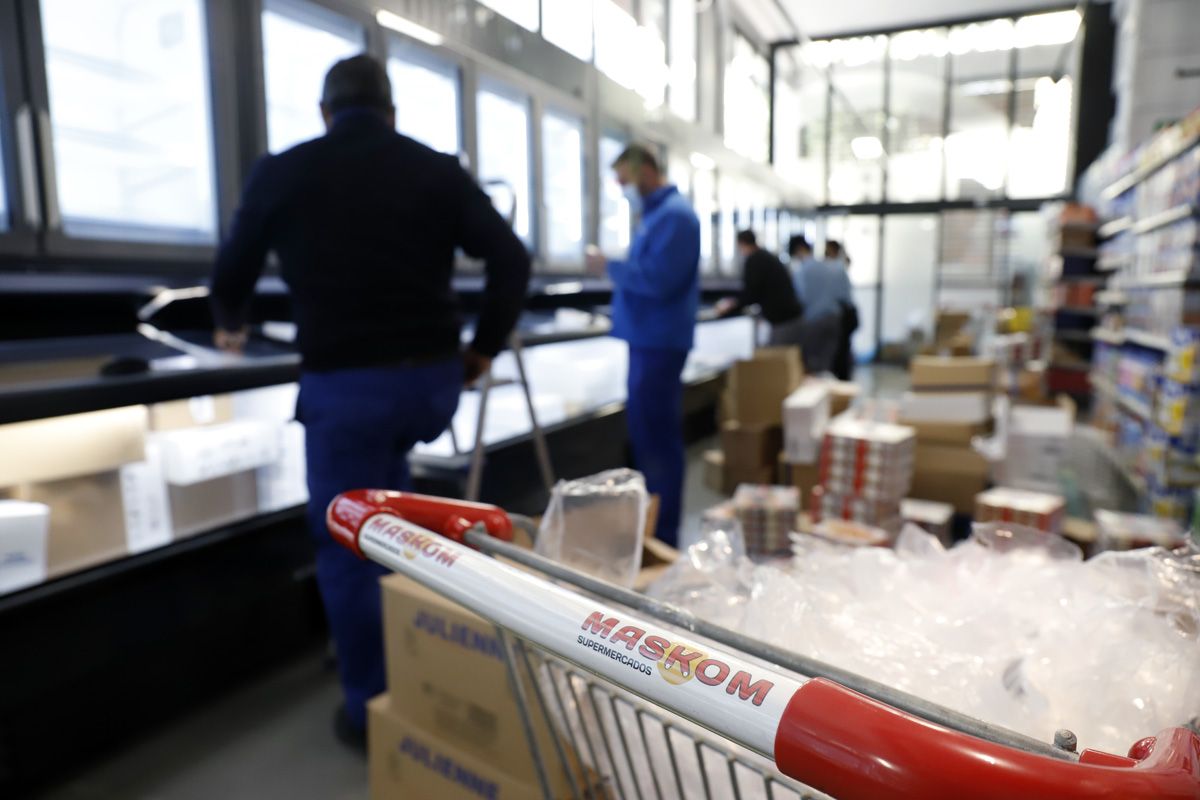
855	748
450	518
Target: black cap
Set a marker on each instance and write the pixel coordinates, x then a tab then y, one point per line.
357	82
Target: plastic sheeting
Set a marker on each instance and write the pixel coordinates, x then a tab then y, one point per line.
1011	626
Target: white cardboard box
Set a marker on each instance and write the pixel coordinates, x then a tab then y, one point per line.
283	484
147	505
969	407
805	415
24	528
194	455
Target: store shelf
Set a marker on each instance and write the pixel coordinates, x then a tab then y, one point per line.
1111	298
1146	339
1102	385
1161	220
1136	407
1159	280
1116	338
1114	227
1112	263
1073	336
1122	185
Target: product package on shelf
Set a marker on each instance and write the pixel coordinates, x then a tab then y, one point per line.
768	515
1034	509
882	513
866	468
24	528
1118	531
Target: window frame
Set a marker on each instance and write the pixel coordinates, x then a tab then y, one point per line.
505	85
223	78
20	177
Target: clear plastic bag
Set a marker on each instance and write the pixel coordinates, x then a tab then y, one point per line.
1011	626
597	525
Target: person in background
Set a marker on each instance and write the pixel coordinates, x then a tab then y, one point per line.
823	287
656	294
843	360
365	223
767	284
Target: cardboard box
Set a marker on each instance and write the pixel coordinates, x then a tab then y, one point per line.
803	476
146	503
446	675
87	520
714	470
1034	509
942	372
757	388
208	409
748	446
210	504
842	395
71	446
959	407
934	518
24	528
959	433
805	415
283	483
194	455
407	762
949	474
949	324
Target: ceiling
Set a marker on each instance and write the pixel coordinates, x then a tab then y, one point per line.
817	18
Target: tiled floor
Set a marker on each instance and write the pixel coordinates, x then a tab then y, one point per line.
274	738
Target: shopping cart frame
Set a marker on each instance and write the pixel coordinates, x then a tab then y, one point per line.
822	727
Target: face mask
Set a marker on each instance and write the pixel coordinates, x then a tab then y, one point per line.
633	196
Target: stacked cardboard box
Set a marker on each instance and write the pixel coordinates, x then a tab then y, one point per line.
951	334
752	416
934	518
1033	509
866	469
949	405
1036	440
449	725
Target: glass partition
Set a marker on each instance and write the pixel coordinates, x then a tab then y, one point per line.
425	91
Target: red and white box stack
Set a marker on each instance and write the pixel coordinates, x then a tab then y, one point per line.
866	470
1032	509
768	515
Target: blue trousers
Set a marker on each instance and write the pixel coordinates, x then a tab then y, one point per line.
359	426
655	415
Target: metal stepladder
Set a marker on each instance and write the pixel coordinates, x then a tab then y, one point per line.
479	448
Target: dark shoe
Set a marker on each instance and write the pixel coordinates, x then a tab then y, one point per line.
351	737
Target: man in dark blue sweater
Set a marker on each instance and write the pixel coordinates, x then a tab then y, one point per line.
365	223
656	293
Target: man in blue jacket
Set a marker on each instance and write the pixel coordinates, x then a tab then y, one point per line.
656	293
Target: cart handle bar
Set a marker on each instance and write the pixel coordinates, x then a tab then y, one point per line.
818	732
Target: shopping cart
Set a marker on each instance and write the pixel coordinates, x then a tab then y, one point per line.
650	702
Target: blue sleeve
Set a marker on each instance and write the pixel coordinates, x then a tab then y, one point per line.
667	264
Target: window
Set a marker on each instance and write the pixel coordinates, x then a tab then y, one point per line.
682	36
748	101
704	190
1040	140
977	146
633	55
504	169
918	95
859	235
800	97
562	142
568	24
910	256
615	218
522	12
856	139
301	42
425	90
132	134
